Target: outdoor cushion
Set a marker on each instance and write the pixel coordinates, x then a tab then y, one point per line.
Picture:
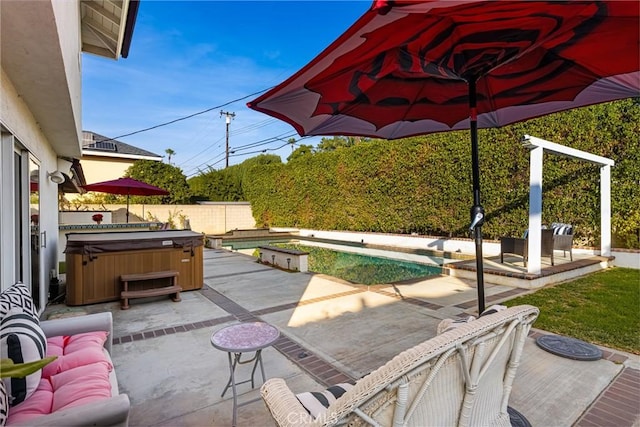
561	228
493	309
74	351
447	325
525	235
79	341
55	347
315	402
22	341
82	357
81	385
38	404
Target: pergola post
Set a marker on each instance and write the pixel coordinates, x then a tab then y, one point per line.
605	210
534	264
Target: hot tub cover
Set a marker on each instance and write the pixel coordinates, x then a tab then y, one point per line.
92	243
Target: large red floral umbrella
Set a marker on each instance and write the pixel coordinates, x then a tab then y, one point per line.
412	67
128	186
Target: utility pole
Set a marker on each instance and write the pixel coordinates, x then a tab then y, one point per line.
228	118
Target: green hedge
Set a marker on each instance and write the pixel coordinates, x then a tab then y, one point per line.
423	184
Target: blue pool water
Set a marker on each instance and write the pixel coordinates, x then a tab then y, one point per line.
354	267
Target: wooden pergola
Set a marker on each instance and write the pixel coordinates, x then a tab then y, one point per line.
537	147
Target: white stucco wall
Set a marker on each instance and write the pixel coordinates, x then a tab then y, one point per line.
59	95
628	258
17	118
215	218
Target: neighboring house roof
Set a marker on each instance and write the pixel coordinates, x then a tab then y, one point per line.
98	145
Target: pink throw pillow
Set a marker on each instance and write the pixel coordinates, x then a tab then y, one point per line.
88	339
81	385
38	404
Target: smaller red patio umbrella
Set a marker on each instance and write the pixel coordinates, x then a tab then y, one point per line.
128	186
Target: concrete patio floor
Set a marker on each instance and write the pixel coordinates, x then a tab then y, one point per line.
331	330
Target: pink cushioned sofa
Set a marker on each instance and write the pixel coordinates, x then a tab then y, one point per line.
79	388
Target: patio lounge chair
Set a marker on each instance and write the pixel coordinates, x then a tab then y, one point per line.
520	246
462	377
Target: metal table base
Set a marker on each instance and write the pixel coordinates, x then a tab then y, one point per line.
233	362
244	338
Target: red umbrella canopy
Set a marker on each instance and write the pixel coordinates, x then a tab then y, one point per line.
411	67
405	67
128	186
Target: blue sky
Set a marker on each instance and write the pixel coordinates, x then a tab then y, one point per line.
189	56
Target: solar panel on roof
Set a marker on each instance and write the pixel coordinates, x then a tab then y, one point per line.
107	146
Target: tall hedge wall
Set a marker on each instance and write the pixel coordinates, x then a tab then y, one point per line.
423	184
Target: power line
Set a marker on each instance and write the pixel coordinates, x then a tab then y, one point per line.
199	153
266	140
185	117
237	151
261	151
234	154
253	127
246	147
238	131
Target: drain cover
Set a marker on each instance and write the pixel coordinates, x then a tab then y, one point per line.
568	347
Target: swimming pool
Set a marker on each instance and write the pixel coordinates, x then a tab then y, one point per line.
355	264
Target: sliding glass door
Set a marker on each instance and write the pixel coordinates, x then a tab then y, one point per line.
28	238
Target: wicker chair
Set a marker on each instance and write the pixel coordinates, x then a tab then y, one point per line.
563	238
520	246
462	377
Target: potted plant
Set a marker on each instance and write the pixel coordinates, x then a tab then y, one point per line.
97	218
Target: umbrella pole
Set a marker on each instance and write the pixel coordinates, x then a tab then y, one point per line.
127	208
477	211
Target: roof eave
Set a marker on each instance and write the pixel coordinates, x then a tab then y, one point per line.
132	15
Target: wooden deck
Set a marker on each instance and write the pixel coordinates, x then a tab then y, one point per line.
513	272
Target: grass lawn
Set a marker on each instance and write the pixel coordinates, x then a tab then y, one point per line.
602	308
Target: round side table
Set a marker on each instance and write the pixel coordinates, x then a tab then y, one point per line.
243	338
